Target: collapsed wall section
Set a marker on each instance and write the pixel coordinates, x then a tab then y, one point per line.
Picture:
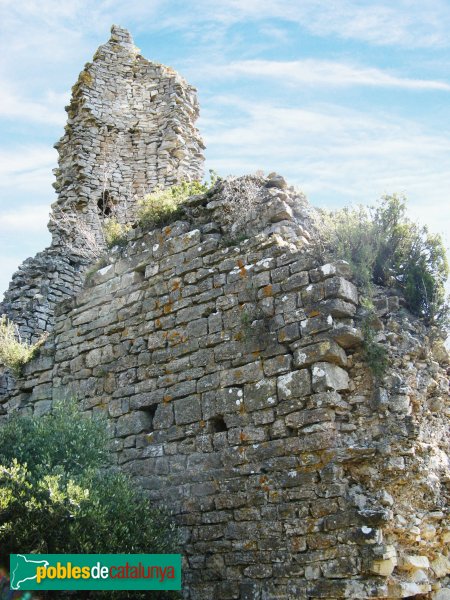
235	381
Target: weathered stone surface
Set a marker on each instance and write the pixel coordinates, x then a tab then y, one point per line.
295	384
326	351
338	287
385	565
326	376
306	417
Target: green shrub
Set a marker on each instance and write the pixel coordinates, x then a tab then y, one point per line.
384	247
15	353
57	497
115	233
375	354
164	205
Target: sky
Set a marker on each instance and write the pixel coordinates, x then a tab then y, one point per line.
347	99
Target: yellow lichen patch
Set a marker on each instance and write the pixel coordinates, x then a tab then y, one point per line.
167	399
297	544
267	291
202	423
167	308
167	230
314	313
250	545
176	285
242	269
85	78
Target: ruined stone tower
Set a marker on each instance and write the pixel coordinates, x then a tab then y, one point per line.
231	363
130	128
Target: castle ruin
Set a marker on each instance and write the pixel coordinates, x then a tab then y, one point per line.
232	368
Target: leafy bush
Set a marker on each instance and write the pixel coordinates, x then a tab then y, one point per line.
384	247
15	353
57	497
375	354
115	233
164	205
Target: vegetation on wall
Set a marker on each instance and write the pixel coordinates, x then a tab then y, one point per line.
56	496
115	233
384	247
164	205
14	352
375	354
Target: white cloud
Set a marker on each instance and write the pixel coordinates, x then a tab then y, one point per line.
409	23
27	168
26	219
336	156
14	106
317	72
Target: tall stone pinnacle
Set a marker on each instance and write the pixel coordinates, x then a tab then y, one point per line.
130	128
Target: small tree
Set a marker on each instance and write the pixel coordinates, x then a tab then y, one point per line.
385	247
58	496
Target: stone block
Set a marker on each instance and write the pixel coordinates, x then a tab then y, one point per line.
347	336
299	419
440	565
133	423
164	416
42	407
295	384
277	365
326	351
245	374
261	394
337	308
229	400
339	267
409	562
338	287
386	563
327	376
187	410
315	325
295	282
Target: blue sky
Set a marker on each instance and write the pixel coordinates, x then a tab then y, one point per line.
348	99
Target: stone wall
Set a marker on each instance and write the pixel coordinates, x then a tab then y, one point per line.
230	364
130	128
